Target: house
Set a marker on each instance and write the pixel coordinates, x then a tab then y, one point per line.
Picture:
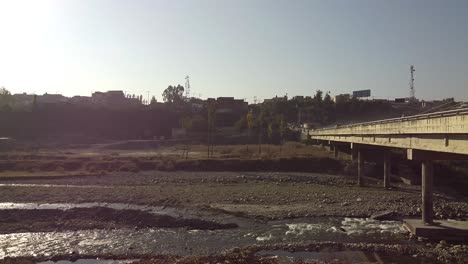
341	98
51	99
114	99
228	110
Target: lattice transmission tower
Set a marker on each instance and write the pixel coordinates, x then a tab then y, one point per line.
412	91
187	87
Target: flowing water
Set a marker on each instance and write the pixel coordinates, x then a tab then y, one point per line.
179	241
91	261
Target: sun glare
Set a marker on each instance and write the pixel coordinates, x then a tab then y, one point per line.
27	41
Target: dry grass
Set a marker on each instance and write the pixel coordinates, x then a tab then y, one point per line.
288	150
23	174
290	156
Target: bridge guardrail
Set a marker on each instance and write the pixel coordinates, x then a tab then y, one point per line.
401	119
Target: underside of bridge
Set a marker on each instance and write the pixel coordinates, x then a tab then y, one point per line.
361	152
425	138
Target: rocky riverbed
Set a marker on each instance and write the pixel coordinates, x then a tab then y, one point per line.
195	216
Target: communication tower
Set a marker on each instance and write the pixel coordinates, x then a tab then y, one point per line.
187	87
412	92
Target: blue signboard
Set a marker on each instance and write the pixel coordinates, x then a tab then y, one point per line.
362	93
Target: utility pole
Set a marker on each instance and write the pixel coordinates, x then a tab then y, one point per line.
147	97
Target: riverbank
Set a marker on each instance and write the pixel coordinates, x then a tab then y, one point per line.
250	194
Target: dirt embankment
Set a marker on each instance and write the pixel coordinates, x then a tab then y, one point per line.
145	164
48	220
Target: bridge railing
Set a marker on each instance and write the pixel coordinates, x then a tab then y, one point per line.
452	121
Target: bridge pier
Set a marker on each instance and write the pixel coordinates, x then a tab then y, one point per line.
353	155
360	158
387	164
335	152
426	187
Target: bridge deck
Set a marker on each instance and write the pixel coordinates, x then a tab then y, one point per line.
443	132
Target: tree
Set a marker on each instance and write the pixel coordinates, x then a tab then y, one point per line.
186	123
199	124
260	124
153	100
328	109
6	99
211	126
34	103
282	131
250	121
173	94
271	131
250	125
241	124
318	97
4	91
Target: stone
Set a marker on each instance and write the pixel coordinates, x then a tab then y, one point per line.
443	243
385	215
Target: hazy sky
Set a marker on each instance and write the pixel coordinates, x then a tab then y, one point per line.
235	48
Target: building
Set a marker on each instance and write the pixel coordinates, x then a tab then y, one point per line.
276	99
80	100
341	98
298	98
114	99
228	110
51	99
23	99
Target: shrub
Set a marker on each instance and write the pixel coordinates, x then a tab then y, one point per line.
246	153
129	167
226	150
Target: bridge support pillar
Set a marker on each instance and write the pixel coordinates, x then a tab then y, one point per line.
387	164
353	154
360	158
335	152
427	183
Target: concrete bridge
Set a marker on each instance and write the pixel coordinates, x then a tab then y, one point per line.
427	137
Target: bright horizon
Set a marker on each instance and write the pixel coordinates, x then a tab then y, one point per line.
235	48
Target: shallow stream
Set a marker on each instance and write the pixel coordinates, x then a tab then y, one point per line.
179	241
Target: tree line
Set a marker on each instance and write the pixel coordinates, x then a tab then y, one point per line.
262	123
